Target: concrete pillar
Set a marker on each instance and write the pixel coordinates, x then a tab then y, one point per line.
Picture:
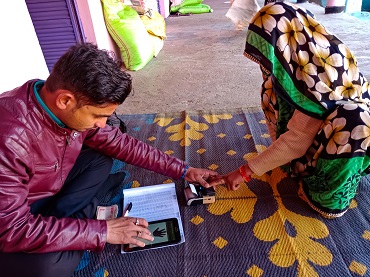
335	6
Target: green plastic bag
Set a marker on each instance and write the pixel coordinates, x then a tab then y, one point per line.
128	31
196	9
184	3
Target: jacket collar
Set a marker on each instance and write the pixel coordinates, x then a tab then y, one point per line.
43	115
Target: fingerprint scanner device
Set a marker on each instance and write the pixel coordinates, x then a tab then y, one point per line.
196	195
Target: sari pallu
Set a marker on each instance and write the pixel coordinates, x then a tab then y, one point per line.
309	69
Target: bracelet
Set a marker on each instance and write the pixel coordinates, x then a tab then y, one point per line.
242	172
184	173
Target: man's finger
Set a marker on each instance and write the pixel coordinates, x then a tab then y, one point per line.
138	242
203	183
216	182
212	173
215	178
144	237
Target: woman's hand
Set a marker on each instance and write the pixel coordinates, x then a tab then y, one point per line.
125	230
234	178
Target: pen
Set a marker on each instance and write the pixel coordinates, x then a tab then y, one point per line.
128	209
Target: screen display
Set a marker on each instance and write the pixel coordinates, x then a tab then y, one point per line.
164	232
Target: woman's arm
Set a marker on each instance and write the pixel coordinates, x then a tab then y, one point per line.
291	145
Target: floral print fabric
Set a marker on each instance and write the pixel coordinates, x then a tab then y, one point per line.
309	69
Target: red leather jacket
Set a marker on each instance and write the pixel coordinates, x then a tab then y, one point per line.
36	156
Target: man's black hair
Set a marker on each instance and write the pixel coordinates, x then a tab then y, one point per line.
92	75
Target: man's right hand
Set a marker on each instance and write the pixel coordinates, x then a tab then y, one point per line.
124	230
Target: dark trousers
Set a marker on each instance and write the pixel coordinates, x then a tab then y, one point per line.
76	199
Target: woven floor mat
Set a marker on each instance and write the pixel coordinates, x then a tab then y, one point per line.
262	229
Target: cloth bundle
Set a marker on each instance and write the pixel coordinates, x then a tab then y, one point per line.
241	12
138	38
190	6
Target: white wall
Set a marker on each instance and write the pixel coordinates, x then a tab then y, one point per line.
21	57
92	19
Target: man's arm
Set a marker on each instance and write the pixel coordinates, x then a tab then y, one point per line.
133	151
22	231
114	143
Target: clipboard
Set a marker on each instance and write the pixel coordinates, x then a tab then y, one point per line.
157	202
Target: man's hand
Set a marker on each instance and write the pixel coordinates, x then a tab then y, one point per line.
124	230
201	175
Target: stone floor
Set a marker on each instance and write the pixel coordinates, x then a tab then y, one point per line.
202	67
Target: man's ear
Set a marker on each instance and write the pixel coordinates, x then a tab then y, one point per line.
65	100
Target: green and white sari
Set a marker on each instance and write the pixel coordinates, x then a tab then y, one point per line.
312	71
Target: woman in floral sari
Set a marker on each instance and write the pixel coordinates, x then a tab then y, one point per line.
316	103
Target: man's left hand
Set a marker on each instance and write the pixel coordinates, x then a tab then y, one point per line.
201	175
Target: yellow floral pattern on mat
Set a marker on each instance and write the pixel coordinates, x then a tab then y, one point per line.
220	242
301	248
189	129
358	268
255	271
239	203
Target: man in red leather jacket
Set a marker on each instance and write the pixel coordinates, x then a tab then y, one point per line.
55	153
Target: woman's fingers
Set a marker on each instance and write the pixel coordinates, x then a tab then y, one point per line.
235	186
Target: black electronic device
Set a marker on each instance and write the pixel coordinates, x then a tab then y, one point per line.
165	232
196	195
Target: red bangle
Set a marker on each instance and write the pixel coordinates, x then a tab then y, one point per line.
242	172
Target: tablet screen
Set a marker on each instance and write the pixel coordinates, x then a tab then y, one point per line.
165	232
